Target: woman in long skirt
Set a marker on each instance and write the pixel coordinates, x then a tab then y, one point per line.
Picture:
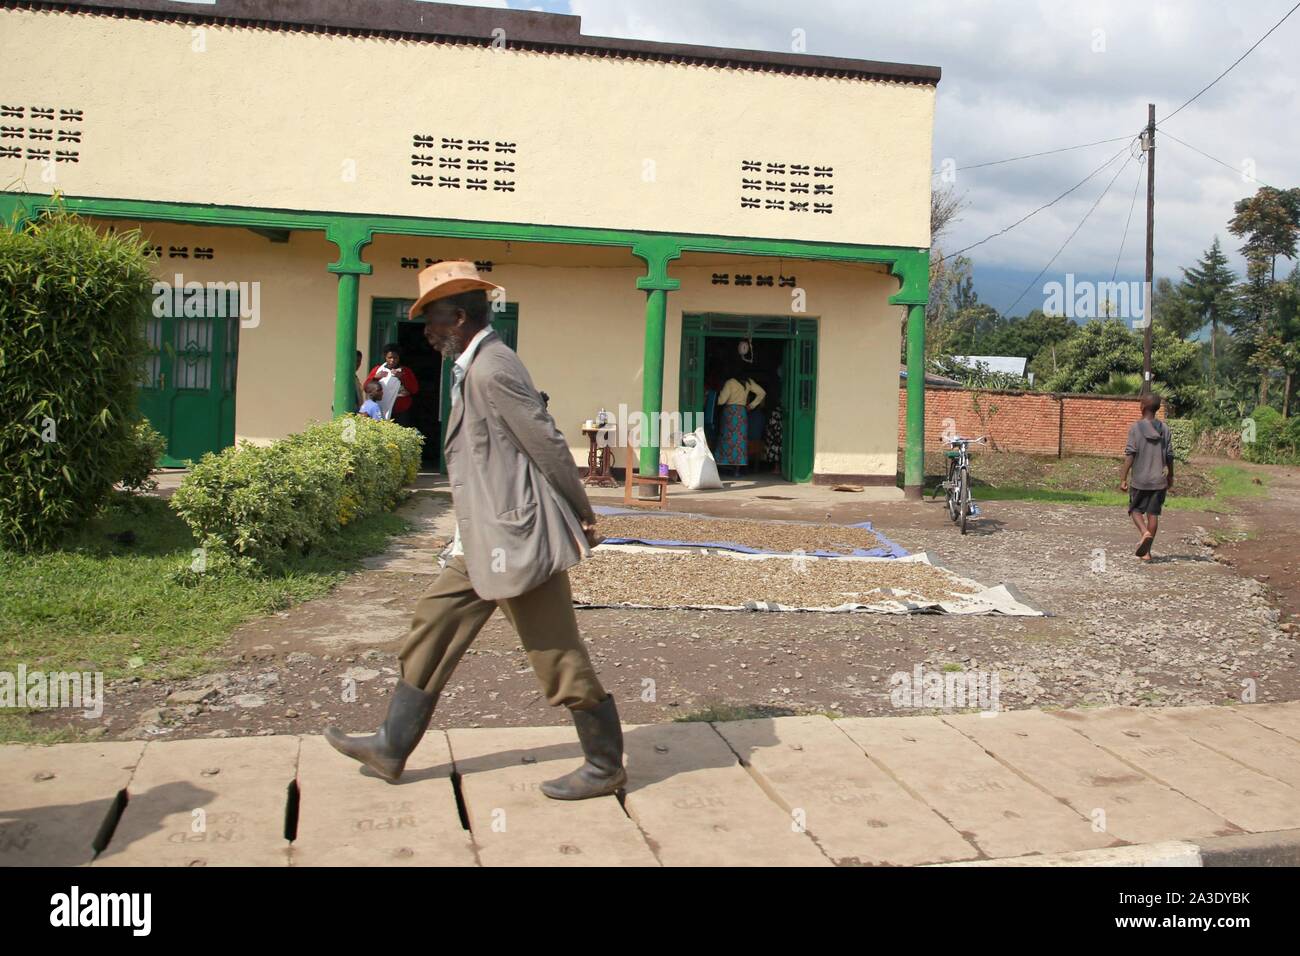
733	437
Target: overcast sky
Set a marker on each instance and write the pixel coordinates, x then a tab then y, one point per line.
1022	76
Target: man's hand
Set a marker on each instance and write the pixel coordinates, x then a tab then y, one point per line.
594	537
1169	488
1123	484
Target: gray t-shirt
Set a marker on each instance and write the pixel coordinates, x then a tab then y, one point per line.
1149	444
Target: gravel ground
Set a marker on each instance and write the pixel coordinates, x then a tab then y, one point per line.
1188	628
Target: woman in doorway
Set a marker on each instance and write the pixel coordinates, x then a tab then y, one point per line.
398	383
733	402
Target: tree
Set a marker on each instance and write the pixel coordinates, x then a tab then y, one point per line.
945	209
1172	311
947	277
1101	352
1209	290
1269	222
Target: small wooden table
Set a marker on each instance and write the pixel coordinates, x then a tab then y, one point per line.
600	457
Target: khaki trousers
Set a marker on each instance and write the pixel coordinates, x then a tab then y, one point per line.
450	614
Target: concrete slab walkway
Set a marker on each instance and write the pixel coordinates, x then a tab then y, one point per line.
1068	787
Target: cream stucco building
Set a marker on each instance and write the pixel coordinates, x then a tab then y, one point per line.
646	206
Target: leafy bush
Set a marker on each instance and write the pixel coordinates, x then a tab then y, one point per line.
1182	436
977	375
1277	439
141	455
1105	351
259	502
73	305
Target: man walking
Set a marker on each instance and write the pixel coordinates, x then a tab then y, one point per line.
1148	454
522	519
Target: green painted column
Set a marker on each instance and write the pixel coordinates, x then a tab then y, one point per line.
914	456
652	387
351	236
345	344
657	251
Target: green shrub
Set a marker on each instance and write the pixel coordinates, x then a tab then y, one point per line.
1277	439
1182	436
260	502
73	305
143	450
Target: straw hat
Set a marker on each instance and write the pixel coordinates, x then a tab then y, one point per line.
447	278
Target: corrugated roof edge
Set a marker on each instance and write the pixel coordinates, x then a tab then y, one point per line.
413	20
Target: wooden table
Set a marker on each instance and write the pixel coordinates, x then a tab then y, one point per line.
600	457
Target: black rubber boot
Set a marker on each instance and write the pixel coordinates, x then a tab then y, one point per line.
409	712
601	736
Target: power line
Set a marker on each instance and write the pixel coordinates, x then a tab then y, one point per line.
1127	222
1034	280
1165	132
1046	152
1234	64
1044	206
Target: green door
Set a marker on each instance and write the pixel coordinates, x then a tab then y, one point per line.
800	402
798	376
188	393
386	318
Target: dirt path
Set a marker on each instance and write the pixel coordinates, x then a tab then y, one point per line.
1186	629
1271	552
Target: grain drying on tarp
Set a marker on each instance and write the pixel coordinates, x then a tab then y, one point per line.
692	578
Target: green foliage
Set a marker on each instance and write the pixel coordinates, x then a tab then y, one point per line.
143	449
1100	350
1182	436
977	375
258	504
1269	221
1121	383
73	304
1277	439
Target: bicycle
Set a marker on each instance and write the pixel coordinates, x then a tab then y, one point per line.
961	506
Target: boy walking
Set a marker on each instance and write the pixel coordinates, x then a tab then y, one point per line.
1149	457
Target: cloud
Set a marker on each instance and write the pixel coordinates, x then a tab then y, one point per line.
1021	77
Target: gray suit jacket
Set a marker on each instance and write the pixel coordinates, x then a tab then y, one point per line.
518	495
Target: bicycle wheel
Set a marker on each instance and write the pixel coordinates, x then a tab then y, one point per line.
953	489
963	498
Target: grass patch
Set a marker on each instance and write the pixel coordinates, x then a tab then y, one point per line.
1080	480
98	604
14	729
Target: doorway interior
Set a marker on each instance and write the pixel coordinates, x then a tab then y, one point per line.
784	352
432	404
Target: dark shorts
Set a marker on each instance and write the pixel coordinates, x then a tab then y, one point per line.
1145	502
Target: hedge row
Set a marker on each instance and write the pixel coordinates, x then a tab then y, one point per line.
261	502
1276	439
73	305
1182	437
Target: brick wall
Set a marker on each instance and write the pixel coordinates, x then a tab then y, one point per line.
1037	423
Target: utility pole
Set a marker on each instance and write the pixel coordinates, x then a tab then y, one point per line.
1149	147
